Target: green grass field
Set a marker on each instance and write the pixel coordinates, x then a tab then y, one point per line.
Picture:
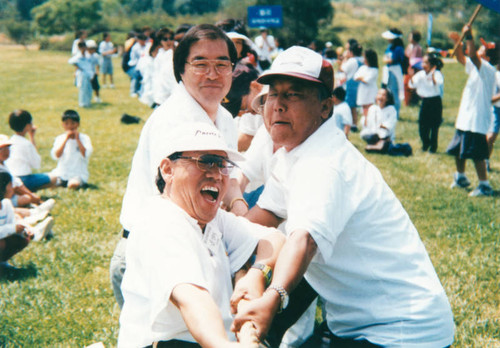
63	297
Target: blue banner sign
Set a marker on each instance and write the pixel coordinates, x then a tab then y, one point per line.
265	16
491	4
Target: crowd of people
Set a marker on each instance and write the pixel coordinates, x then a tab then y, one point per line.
246	201
335	230
23	214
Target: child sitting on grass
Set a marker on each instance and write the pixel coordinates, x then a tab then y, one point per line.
15	234
72	151
24	156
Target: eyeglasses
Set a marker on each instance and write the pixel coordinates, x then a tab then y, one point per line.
208	162
202	66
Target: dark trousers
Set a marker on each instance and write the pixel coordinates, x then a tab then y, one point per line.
429	120
11	245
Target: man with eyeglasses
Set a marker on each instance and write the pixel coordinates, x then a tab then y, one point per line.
203	63
348	235
184	250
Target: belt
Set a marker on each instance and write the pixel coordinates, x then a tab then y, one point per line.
125	233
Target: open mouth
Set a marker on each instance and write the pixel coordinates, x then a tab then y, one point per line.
210	193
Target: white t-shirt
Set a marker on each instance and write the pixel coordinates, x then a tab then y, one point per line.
371	267
258	158
343	115
72	164
146	67
105	46
377	117
7	219
179	108
164	81
474	114
424	85
249	123
350	67
265	46
367	90
23	156
163	255
16	182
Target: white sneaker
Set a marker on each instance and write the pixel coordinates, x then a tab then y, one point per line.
35	216
42	229
462	182
45	206
111	86
482	190
97	100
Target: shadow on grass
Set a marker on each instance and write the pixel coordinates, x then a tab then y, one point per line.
18	273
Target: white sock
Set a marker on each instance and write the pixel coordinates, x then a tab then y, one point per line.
459	175
484	182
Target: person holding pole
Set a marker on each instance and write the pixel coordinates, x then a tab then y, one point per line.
474	114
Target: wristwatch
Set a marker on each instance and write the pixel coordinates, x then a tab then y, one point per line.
283	296
266	270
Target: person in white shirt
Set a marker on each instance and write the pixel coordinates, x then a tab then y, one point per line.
350	66
341	111
107	50
24	156
266	45
379	126
203	63
181	260
72	151
137	50
164	81
347	233
428	83
492	135
474	115
367	75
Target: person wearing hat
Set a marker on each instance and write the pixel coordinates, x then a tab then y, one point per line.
95	58
203	63
348	235
392	73
178	286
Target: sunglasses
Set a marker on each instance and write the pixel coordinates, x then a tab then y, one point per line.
208	162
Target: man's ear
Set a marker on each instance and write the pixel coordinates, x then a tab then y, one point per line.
167	170
326	108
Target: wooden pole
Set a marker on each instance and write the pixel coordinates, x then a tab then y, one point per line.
471	20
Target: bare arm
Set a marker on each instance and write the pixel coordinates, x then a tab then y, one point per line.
244	141
201	315
459	52
495	98
81	148
263	217
291	265
60	150
234	195
471	47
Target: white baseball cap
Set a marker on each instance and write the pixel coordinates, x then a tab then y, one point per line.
4	140
196	136
237	36
90	44
302	63
259	98
389	35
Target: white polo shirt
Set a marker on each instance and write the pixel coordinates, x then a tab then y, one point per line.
424	84
474	114
72	164
180	107
163	255
371	267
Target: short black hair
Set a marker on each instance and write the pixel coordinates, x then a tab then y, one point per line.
195	34
416	35
70	115
5	179
493	54
160	183
390	96
339	93
434	60
18	119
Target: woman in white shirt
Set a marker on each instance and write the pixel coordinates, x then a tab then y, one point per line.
367	76
429	85
380	124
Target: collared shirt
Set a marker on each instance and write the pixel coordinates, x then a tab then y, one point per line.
378	117
163	255
72	164
23	156
474	114
424	83
164	81
371	267
180	107
343	115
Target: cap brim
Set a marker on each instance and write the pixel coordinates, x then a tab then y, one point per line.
389	35
265	79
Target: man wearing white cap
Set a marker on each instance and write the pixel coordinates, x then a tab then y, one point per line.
347	233
177	286
203	63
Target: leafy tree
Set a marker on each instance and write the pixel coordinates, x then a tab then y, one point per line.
19	31
59	16
301	18
197	6
24	7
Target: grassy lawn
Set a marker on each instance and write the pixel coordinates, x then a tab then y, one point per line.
63	296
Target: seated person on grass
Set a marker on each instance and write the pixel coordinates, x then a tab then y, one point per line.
178	283
72	151
15	234
24	156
